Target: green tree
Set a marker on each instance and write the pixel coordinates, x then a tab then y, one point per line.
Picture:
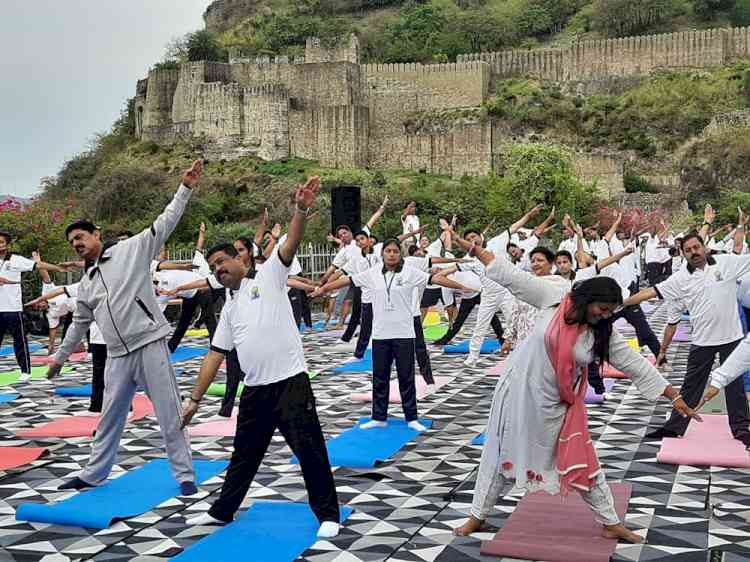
203	46
618	18
740	15
708	9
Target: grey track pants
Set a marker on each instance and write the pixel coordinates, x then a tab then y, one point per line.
151	369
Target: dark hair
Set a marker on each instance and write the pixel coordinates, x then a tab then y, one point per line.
344	227
362	233
548	254
224	247
472	231
564	254
7	236
511	245
373	237
597	289
88	226
411	250
392	242
690	236
251	248
125	233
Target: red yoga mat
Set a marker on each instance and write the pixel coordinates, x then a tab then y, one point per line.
84	426
709	443
47	359
218	428
497	369
395	395
609	372
13	457
545	527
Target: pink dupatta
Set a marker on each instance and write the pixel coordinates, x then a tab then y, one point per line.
577	463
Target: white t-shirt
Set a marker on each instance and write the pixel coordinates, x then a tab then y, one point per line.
257	321
172	278
410	223
421	264
392	300
11	269
296	267
710	296
95	334
652	249
358	264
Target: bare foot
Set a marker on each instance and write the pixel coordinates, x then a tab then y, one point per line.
472	525
619	531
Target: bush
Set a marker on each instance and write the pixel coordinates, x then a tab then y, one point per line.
637	184
740	14
204	46
618	18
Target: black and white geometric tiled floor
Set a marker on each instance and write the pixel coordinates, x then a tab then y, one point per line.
404	509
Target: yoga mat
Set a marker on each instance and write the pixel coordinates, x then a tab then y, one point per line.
434	333
13	457
8	349
488	346
7	397
316	327
84	390
685	318
546	527
364	365
201	333
682	335
478	440
395	395
84	426
593	398
224	427
48	359
332	333
363	448
431	319
497	369
633	342
135	492
186	353
267	532
609	372
220	389
37	373
709	443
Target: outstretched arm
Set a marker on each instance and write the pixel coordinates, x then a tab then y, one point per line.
304	199
640	296
606	262
209	368
613	229
520	223
377	214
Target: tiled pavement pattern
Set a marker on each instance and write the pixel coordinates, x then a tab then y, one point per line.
406	508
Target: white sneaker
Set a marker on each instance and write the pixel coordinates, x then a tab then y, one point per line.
25	377
430	389
328	530
608	396
203	519
470	362
416	426
665	368
372	424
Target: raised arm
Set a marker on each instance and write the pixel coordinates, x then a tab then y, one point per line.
175	266
709	215
642	295
201	237
304	199
442	280
413	234
739	234
377	214
520	223
613	229
262	227
54	293
606	262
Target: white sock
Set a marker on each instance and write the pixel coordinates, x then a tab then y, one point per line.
430	388
416	426
204	519
328	530
373	424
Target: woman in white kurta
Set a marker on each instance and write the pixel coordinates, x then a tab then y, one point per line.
523	435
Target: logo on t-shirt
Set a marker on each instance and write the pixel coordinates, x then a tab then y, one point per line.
399	282
717	275
254	292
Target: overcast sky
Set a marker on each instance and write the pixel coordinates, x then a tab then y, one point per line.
67	68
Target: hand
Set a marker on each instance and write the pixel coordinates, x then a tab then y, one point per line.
661	358
276	231
686	411
4	281
317	292
629	250
202	228
169	292
311	216
535	211
710	395
453	221
34	303
385	202
306	194
743	217
331	238
192	176
265	215
709	214
53	370
71	265
507	346
188	411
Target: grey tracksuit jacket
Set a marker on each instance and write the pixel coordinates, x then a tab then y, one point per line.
118	293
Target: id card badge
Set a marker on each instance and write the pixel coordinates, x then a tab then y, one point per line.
389	306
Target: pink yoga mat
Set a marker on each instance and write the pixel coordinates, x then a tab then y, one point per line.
682	335
609	372
219	428
13	457
593	398
709	443
395	396
332	333
84	426
497	369
47	359
545	527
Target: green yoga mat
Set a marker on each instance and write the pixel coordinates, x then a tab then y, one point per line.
219	389
37	373
433	333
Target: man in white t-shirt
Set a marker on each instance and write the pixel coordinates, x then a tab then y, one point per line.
12	266
409	219
707	287
258	322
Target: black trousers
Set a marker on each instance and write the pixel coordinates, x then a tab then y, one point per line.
653	272
700	361
99	363
420	350
12	323
635	316
288	405
300	307
234	378
384	353
365	330
189	306
356	313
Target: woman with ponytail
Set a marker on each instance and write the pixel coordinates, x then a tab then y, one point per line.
537	436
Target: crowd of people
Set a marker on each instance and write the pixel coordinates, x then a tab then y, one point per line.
553	309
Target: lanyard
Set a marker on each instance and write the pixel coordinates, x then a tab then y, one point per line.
388	286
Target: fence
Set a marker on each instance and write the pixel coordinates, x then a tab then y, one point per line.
314	258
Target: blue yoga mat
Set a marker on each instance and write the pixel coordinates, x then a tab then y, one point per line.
363	448
489	346
187	353
364	365
478	440
685	317
267	531
8	349
129	495
7	397
84	390
315	327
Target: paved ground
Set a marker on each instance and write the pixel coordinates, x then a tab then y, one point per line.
404	509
